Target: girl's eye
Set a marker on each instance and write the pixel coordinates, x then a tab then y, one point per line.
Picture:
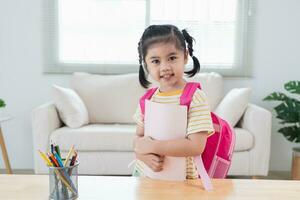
155	61
173	58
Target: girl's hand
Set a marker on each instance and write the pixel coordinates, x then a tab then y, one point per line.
154	161
144	145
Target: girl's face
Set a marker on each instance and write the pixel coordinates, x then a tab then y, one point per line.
166	64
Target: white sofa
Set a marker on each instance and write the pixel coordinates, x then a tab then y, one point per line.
105	144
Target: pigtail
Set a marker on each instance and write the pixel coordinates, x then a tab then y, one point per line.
196	65
142	77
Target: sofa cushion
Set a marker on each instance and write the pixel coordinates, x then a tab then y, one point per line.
119	137
244	140
71	108
233	105
109	99
114	98
96	137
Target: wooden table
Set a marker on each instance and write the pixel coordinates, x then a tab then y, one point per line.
3	147
107	187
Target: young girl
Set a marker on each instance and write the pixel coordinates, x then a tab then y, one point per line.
163	54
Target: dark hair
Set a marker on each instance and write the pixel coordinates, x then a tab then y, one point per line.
165	33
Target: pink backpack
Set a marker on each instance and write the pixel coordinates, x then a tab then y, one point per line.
219	146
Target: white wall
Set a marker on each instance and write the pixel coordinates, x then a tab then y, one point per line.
275	60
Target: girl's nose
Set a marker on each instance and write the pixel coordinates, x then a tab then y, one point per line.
165	67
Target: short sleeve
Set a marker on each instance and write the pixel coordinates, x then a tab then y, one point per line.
199	117
138	117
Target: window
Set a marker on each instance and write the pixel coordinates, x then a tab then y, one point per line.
101	36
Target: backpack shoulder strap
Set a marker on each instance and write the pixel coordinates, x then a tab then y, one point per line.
186	99
205	179
188	92
149	93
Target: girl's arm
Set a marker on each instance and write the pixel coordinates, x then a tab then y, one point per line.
193	145
139	134
155	162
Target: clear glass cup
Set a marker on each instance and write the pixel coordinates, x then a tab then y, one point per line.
63	182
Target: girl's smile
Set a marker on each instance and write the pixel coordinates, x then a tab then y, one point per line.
167	76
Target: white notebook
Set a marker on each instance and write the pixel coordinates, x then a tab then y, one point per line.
166	122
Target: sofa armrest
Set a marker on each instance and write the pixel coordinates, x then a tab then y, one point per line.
45	120
258	121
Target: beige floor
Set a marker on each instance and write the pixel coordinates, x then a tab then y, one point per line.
278	175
